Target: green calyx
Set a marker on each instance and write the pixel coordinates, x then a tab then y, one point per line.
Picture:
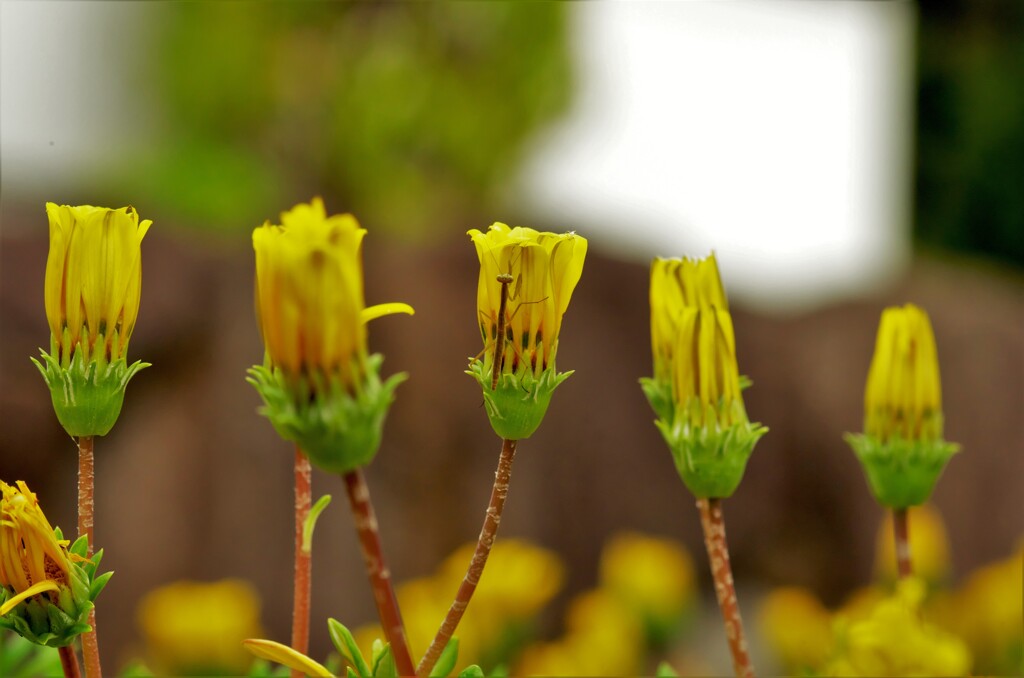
338	431
901	472
710	458
56	618
518	404
87	392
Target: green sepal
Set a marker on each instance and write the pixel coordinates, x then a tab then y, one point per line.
659	395
446	662
56	624
346	645
87	394
711	460
517	406
901	473
472	671
338	431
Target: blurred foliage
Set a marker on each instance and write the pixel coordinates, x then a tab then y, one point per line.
20	657
970	135
411	115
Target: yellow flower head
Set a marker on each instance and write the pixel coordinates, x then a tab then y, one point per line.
309	292
544	269
197	628
93	279
798	629
695	390
32	560
903	398
676	284
653	576
896	641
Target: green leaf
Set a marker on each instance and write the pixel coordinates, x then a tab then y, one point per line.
384	666
473	671
446	662
346	645
310	524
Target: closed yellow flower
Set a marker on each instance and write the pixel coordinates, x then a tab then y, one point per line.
695	390
93	279
197	628
902	449
544	269
321	387
309	292
903	397
676	284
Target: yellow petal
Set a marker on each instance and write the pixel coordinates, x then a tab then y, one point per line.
380	310
286	656
41	587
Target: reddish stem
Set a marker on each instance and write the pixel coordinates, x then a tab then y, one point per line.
901	530
476	566
713	522
377	570
69	662
86	480
303	558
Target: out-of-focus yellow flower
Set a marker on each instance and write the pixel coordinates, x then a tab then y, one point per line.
603	638
545	268
929	546
309	293
902	449
197	628
519	581
695	390
988	612
903	397
675	285
653	576
321	388
860	604
93	279
45	594
895	641
798	629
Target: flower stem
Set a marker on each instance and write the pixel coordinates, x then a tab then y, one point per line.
303	558
902	533
377	570
713	522
86	477
69	661
476	566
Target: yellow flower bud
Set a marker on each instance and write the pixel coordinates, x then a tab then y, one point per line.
696	390
902	449
675	284
544	268
321	388
903	397
92	289
526	281
93	279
